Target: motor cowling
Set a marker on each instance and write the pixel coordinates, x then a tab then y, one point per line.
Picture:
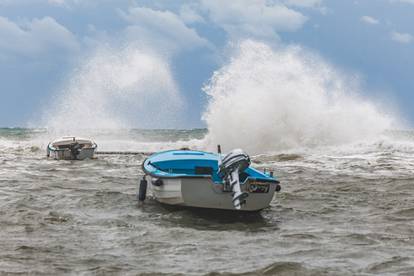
75	149
235	160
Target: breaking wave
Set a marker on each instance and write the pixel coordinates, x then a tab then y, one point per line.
114	89
266	99
262	100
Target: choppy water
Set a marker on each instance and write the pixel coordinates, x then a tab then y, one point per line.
343	210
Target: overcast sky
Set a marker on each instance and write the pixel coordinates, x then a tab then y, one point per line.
45	43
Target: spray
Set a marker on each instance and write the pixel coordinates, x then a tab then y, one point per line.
115	89
270	100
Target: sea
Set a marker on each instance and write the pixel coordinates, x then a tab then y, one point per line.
344	209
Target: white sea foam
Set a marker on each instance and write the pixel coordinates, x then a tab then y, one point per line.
266	99
116	88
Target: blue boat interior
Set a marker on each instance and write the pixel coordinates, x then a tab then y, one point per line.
186	163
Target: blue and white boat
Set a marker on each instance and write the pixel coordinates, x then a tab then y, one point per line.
208	180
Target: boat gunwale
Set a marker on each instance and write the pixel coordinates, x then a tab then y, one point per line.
168	175
52	148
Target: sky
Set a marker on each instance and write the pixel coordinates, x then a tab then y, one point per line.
47	46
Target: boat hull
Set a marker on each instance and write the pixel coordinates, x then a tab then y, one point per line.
204	193
66	154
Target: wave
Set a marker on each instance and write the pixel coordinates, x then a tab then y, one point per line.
268	99
115	88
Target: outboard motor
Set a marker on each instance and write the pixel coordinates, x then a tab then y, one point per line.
230	167
75	149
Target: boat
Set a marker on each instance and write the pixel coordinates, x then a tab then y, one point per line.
207	180
71	148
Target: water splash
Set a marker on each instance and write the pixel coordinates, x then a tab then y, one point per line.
266	99
114	89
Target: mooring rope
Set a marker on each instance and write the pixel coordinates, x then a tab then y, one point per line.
124	152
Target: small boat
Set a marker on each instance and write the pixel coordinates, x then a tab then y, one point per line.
207	180
71	148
